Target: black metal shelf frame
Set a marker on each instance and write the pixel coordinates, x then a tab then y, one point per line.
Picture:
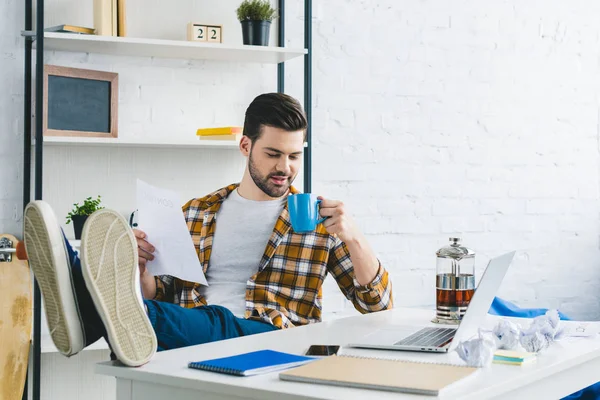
34	370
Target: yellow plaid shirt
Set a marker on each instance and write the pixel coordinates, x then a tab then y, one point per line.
286	289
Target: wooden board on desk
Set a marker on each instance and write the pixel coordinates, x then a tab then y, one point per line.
15	321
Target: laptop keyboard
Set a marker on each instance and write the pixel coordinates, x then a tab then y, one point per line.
434	337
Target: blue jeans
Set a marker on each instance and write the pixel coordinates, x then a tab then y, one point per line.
174	325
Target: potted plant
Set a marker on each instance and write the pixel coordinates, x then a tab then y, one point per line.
79	214
255	17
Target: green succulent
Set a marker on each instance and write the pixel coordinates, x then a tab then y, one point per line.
256	10
88	207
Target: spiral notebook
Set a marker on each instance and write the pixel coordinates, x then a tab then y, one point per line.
380	374
253	363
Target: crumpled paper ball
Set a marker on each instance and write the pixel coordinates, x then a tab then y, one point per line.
533	340
547	324
478	352
542	331
506	335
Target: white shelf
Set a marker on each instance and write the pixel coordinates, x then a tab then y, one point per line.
47	345
138	47
118	142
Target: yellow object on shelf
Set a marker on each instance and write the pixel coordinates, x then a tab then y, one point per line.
235	137
71	29
226	130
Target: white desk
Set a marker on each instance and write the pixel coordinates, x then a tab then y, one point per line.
562	369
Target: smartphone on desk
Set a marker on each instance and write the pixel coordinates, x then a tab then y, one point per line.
322	350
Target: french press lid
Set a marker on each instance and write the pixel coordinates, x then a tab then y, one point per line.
455	250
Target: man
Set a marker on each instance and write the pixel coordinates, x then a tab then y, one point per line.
262	275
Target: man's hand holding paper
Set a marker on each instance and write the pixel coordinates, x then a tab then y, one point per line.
145	254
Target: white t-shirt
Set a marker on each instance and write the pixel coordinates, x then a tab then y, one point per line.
243	228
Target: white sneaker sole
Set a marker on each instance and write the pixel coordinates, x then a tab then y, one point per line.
109	262
48	259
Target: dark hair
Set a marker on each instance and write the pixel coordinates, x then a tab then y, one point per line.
277	110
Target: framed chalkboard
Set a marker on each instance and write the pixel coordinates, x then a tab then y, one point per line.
80	102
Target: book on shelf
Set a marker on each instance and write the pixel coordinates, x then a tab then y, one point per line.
71	29
114	19
233	138
121	18
103	17
110	17
225	131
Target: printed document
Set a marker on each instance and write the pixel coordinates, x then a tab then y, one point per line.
161	218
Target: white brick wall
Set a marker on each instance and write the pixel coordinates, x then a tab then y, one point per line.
11	116
476	118
431	119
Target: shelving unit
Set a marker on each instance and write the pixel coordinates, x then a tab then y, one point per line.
139	47
125	46
151	143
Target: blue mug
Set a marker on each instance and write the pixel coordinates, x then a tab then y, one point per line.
304	212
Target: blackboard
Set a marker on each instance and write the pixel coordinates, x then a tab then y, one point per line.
80	102
76	104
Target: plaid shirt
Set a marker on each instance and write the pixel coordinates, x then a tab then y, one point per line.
286	289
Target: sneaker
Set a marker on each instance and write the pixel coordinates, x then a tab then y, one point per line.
48	258
109	261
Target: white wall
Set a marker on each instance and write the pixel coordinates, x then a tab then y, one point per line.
431	118
471	117
11	116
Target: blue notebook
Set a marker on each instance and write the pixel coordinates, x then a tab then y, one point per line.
253	363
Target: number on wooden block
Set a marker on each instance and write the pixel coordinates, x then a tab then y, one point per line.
200	33
196	32
214	34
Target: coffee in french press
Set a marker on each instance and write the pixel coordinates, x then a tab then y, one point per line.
455	281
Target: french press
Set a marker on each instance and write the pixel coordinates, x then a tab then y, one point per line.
455	281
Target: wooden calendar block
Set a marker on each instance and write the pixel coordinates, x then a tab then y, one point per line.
214	33
197	32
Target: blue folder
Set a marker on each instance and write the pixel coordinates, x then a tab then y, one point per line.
253	363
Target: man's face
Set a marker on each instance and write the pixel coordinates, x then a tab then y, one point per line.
275	159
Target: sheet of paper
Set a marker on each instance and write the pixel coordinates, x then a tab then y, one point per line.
579	328
161	218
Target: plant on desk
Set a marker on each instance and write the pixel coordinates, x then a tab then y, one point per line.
79	214
256	17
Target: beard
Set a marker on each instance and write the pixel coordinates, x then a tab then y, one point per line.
265	184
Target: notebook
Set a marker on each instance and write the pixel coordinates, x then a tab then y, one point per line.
381	374
70	29
253	363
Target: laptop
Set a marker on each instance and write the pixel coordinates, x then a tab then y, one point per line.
444	339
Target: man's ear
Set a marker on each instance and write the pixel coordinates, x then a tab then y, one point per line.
245	146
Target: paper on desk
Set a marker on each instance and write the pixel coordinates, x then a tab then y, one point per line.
579	328
161	218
